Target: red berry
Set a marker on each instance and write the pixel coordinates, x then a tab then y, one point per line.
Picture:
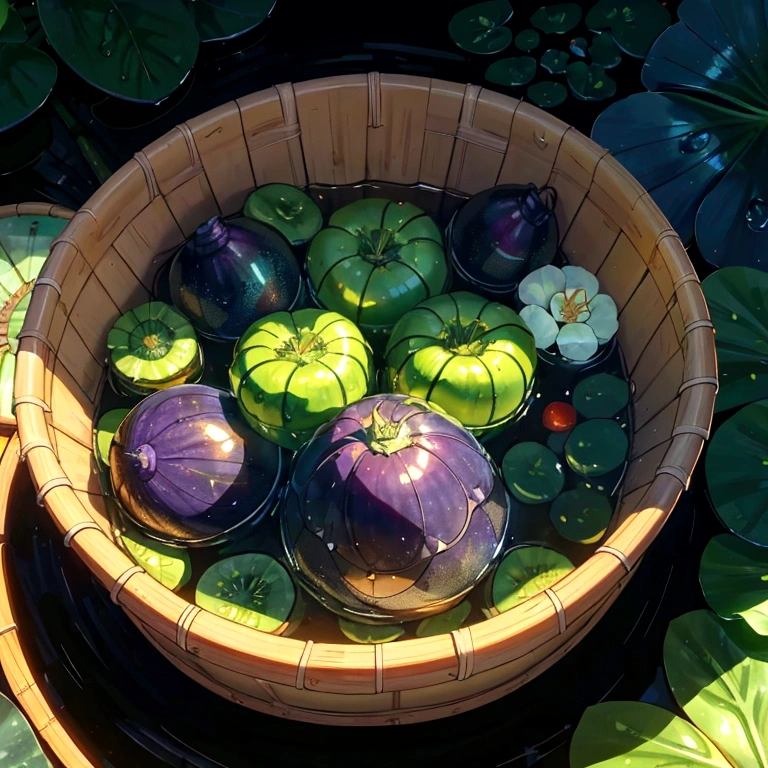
559	417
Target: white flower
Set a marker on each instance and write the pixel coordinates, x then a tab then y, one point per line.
563	306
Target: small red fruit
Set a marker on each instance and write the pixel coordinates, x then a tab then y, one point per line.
559	417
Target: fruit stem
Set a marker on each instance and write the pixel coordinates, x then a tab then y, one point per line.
386	436
462	339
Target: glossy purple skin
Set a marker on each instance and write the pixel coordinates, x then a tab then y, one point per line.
433	513
187	470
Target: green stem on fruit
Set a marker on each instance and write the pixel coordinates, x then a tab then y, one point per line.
386	436
378	246
463	339
304	348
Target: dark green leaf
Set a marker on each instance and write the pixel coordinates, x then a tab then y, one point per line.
27	77
448	621
533	474
527	40
224	19
139	50
738	304
19	747
547	94
514	71
601	396
555	61
556	442
13	31
596	447
590	83
604	51
557	19
734	577
3	12
581	515
634	24
737	473
170	566
368	633
480	28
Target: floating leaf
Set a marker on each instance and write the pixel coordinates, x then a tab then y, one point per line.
479	28
525	572
538	287
578	278
601	396
448	621
541	324
734	577
527	40
603	317
19	747
290	210
3	13
577	342
578	47
556	442
13	31
738	303
634	24
139	50
720	687
224	19
547	94
513	71
555	61
533	474
621	734
604	51
105	431
590	82
170	566
368	633
27	77
251	589
596	447
557	19
581	515
736	467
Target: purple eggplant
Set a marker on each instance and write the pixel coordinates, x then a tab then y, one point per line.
188	471
393	511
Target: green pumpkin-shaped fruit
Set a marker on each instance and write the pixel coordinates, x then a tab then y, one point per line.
292	372
473	358
375	261
153	347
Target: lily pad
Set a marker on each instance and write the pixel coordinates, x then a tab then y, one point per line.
556	442
736	467
27	77
581	515
513	71
604	51
369	633
170	566
3	13
541	324
105	431
480	28
225	19
734	577
448	621
601	396
557	19
590	82
18	744
578	47
577	342
533	474
251	589
288	209
527	40
525	572
719	686
547	94
139	50
538	287
634	24
554	61
13	31
738	304
596	447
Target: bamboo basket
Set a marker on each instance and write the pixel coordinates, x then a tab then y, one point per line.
344	130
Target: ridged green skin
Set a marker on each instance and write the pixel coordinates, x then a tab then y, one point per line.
376	260
475	359
292	372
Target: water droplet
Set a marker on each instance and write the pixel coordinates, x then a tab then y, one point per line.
734	316
757	214
695	142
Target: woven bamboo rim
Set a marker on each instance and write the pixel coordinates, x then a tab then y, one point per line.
28	684
342	130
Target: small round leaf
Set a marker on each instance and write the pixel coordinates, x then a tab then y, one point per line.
527	40
596	447
512	71
577	342
448	621
538	287
557	19
547	94
480	28
533	474
603	317
170	566
581	515
105	431
554	61
604	51
601	396
590	82
541	324
370	633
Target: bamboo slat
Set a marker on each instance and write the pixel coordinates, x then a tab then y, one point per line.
374	128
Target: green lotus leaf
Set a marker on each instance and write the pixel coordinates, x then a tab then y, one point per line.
139	50
27	77
557	19
527	40
590	82
580	279
734	577
368	633
600	396
603	317
3	13
448	621
225	19
480	28
533	474
634	24
547	94
554	61
105	430
719	686
738	300
604	51
19	747
581	515
14	30
622	734
596	447
513	71
170	566
736	467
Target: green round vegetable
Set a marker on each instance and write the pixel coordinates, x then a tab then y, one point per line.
293	372
596	447
581	515
533	473
105	431
153	347
252	589
376	260
287	209
368	633
473	358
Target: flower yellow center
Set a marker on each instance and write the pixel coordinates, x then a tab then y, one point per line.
574	305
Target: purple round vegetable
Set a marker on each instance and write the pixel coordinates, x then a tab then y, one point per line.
187	470
393	511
